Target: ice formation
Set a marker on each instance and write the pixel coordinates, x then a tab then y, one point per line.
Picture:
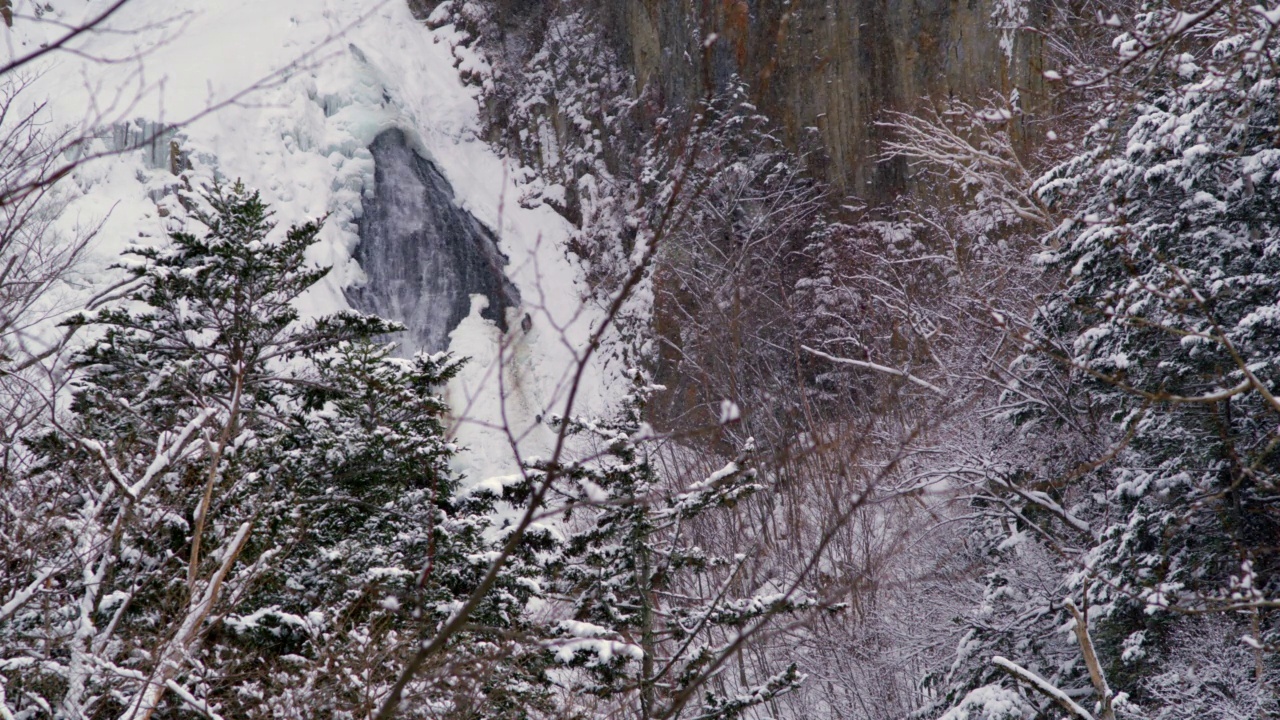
423	256
299	99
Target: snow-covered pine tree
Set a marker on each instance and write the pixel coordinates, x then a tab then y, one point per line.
242	499
655	617
1174	318
378	544
1169	326
155	470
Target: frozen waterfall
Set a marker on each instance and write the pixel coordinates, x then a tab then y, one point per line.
423	255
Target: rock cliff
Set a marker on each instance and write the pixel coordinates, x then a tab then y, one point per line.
825	70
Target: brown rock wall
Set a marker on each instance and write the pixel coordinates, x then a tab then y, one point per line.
825	70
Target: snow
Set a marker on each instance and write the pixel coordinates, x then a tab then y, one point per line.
589	637
729	412
253	620
1043	686
328	76
989	702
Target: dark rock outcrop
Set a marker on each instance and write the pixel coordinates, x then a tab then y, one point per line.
424	256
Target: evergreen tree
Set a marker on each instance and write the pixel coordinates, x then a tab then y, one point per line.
379	542
255	513
1175	325
158	464
654	615
1169	327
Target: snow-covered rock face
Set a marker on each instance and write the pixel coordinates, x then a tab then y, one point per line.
423	256
354	111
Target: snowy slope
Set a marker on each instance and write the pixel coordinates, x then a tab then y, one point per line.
326	76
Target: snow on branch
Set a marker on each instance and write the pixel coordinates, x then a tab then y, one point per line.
878	368
1043	686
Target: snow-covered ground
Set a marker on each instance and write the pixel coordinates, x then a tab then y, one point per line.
298	90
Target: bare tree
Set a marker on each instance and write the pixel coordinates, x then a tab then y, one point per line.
34	260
